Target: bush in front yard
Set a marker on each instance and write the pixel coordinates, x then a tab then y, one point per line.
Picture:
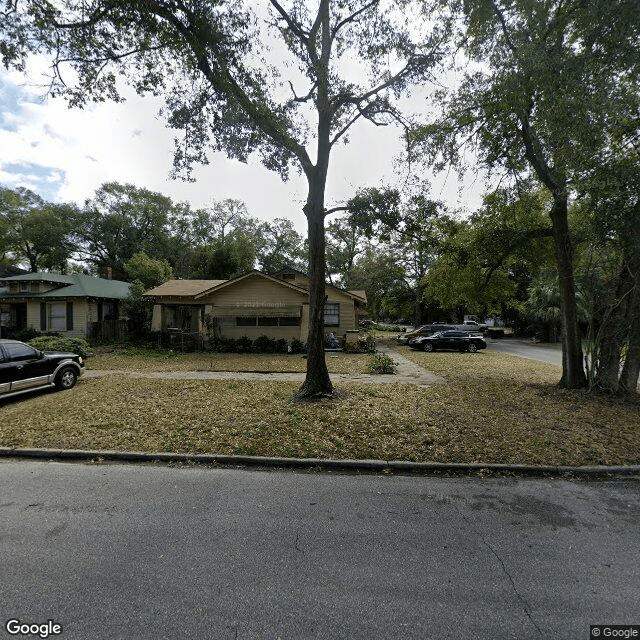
244	345
298	347
382	363
59	343
264	344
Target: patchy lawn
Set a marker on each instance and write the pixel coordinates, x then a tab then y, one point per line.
156	361
496	408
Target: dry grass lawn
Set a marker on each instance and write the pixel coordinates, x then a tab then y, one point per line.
134	360
496	408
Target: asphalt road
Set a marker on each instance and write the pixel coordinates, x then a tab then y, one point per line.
136	552
526	349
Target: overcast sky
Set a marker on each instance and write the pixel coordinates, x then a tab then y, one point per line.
65	154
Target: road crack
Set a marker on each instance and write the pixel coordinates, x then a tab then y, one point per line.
496	555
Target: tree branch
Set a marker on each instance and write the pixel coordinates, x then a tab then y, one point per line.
505	31
222	79
352	17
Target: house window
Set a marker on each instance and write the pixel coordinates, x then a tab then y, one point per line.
25	286
56	316
332	314
289	321
267	321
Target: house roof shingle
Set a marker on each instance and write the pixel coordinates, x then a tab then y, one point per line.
75	285
178	288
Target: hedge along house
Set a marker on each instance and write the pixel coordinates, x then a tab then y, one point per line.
251	305
73	305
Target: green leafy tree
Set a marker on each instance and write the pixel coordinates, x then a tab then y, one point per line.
281	246
36	231
487	263
389	293
613	222
224	87
139	310
225	259
149	271
345	242
410	229
122	220
547	89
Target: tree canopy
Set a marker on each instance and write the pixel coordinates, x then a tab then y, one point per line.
550	85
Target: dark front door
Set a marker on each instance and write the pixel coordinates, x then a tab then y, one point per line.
21	315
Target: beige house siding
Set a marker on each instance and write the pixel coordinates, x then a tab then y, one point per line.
80	315
252	296
247	297
347	312
254	291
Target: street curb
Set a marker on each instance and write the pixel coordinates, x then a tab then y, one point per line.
351	466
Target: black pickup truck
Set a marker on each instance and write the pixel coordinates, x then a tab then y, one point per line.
23	368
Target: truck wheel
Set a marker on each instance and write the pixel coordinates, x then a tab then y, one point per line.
67	378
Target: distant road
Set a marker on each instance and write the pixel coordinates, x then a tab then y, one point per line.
526	349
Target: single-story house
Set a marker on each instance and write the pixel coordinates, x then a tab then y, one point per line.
73	305
251	305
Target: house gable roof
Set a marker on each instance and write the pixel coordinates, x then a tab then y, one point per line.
359	294
75	285
252	273
182	288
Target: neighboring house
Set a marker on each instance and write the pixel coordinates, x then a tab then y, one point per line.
73	305
251	305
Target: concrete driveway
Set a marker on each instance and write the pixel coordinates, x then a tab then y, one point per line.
116	551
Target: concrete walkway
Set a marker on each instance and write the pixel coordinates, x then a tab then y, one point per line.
407	373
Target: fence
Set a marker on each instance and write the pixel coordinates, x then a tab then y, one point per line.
108	330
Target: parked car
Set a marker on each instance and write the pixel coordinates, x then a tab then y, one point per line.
458	340
23	368
472	325
424	330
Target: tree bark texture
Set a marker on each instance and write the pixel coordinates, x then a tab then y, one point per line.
317	382
631	368
573	374
613	334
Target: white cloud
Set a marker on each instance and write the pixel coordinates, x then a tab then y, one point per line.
128	142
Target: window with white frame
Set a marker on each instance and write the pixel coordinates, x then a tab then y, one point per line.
332	314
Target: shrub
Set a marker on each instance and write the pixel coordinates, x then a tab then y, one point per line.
24	335
297	346
281	346
382	363
59	343
264	344
244	345
223	345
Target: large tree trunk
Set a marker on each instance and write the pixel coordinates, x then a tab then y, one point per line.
631	368
317	382
573	375
612	334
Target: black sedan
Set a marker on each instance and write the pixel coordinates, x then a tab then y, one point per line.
456	340
23	368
